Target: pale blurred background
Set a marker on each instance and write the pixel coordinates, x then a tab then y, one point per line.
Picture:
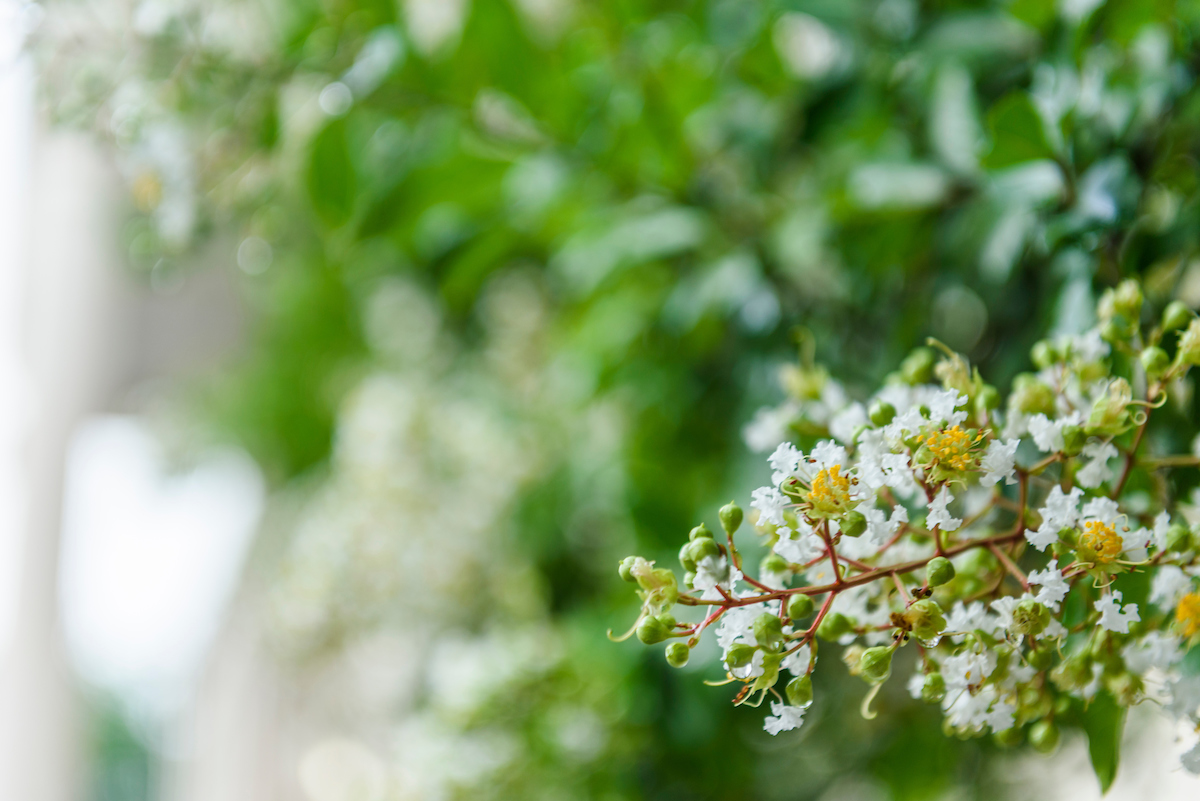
347	346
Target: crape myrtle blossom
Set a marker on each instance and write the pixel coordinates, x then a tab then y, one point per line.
998	535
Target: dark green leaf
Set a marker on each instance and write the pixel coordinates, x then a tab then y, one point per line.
331	182
1018	134
1104	720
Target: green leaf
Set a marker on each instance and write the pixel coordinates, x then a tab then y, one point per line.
331	181
1018	134
1104	720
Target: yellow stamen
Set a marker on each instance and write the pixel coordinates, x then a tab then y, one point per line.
952	447
1187	614
830	492
1103	540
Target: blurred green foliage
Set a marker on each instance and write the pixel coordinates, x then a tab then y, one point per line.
687	182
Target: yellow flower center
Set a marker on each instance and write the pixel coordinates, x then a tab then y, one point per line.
1187	614
1103	540
952	447
830	492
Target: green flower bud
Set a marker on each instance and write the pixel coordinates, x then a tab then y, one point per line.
625	569
799	691
689	579
1042	658
925	619
1109	413
1044	354
739	655
1155	361
833	626
875	664
731	517
917	367
685	558
1178	537
698	532
677	654
882	413
701	548
1115	332
655	628
939	571
1030	617
1009	738
1073	673
658	584
987	400
1127	300
934	688
1126	688
1031	396
773	563
768	631
799	606
1189	344
1043	736
853	524
1074	438
1176	315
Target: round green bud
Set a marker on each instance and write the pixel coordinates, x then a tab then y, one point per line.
875	664
988	399
1030	617
773	563
625	569
934	688
853	524
1155	361
1043	736
1178	537
701	548
699	532
689	579
799	606
1030	395
768	631
731	517
925	619
685	558
655	628
833	626
799	691
1044	354
882	413
917	367
1074	439
739	655
1176	315
939	571
1127	300
1189	344
1113	332
1041	658
1009	738
677	654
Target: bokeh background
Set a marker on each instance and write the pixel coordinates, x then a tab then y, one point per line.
348	344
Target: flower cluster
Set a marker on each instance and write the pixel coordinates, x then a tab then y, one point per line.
1029	552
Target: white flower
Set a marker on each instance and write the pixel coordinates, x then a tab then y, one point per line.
916	685
770	504
1004	608
783	461
938	516
1090	346
966	618
784	718
805	547
1053	587
735	626
1169	584
713	572
1162	524
1191	760
942	407
828	453
1103	509
1002	716
751	670
998	462
798	661
1059	512
967	669
1096	471
1046	434
846	422
1155	650
1112	616
769	427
